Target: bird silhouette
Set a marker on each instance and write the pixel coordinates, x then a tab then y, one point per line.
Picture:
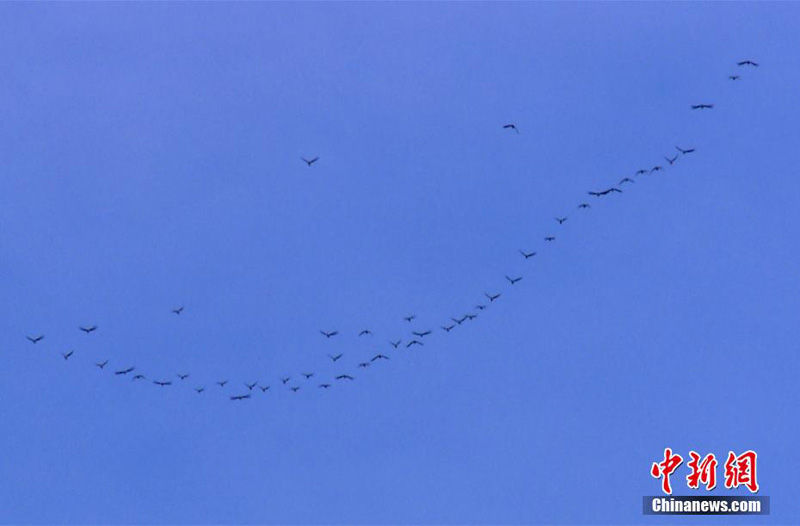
656	168
101	364
365	332
345	377
379	357
200	389
222	383
67	355
294	389
183	376
178	310
335	358
491	297
88	330
35	339
139	377
409	318
421	334
125	371
310	161
584	205
284	381
640	171
513	280
747	63
329	334
241	397
447	328
480	307
471	317
626	180
459	321
734	77
413	342
264	388
324	386
527	255
511	127
561	220
671	161
250	386
396	344
162	384
550	238
702	106
363	365
308	375
684	152
605	192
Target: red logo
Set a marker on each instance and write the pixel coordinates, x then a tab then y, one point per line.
739	470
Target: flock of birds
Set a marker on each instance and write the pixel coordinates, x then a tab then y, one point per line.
417	336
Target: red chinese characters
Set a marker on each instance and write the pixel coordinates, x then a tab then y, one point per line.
665	468
704	471
741	471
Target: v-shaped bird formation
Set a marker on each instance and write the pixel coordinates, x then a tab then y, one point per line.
416	337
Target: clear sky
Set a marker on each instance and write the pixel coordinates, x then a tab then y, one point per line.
150	158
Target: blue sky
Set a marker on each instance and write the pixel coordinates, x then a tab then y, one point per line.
150	158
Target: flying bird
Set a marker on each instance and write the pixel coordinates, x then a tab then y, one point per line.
284	381
513	280
250	386
363	365
605	192
379	357
183	376
480	307
125	371
747	63
178	310
101	364
702	106
671	161
345	377
334	358
656	169
409	318
511	127
264	388
471	317
308	375
584	205
491	298
162	384
324	386
310	161
527	255
35	339
88	330
447	328
200	389
329	334
67	355
550	238
295	389
365	332
222	383
684	152
139	377
396	344
241	397
460	321
421	334
626	180
413	342
640	171
734	77
561	220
